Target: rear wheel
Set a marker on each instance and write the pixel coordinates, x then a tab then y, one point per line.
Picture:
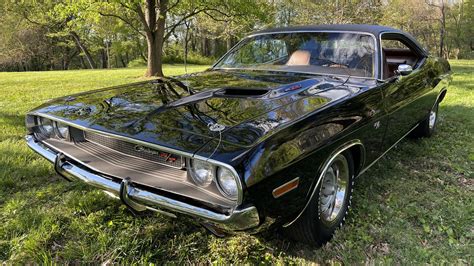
329	206
428	126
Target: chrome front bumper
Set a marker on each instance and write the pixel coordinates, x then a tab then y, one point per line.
139	199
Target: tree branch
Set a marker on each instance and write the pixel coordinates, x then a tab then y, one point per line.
173	6
130	24
150	16
170	29
141	15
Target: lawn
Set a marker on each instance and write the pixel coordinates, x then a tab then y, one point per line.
415	205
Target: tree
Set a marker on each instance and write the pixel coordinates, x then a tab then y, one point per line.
468	28
152	16
292	12
441	5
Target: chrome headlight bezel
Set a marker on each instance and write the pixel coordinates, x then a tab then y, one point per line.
45	127
227	183
197	168
62	130
225	179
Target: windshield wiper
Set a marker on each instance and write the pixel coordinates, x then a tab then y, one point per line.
331	62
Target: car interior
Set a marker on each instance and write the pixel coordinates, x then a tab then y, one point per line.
312	60
394	53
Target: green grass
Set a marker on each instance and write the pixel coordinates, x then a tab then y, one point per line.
414	205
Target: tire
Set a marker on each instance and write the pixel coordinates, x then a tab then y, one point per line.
317	224
427	127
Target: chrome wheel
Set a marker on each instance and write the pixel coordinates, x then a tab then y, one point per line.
432	119
334	189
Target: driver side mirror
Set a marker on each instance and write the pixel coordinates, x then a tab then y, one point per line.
404	69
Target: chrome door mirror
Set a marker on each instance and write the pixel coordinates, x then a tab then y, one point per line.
404	69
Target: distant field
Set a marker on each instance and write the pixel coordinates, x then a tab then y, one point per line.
414	206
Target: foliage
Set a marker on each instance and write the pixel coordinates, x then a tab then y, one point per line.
295	12
175	55
414	206
109	34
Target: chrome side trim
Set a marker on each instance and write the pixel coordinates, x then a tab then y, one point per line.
151	145
385	152
324	169
236	220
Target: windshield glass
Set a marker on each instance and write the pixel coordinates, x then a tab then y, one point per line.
310	52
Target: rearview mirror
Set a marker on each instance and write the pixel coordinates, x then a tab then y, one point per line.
404	69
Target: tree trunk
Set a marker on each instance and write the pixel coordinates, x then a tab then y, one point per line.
83	48
229	43
442	30
83	63
186	40
213	47
154	67
155	36
103	58
124	64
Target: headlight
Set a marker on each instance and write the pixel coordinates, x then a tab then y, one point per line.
227	183
45	126
201	172
62	130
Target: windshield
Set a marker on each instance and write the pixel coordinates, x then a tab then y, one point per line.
309	52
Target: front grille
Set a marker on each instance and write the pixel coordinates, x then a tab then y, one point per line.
111	162
135	150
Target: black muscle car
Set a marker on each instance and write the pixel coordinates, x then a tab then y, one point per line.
274	133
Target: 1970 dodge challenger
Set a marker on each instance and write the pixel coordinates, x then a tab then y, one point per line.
274	133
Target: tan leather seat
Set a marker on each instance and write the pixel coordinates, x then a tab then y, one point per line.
299	58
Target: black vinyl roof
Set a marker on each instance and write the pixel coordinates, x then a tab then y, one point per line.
373	29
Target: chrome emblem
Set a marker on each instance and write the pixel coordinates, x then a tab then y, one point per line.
377	125
168	157
215	127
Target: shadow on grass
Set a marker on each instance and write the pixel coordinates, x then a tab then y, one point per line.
462	70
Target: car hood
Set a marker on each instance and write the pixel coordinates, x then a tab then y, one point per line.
180	112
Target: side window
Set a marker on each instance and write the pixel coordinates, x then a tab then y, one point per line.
396	52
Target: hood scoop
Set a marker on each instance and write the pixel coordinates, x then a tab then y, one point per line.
192	98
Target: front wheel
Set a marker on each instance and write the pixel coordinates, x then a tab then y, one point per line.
328	207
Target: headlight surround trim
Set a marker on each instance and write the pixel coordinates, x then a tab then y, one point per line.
62	130
45	127
224	179
218	167
198	168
